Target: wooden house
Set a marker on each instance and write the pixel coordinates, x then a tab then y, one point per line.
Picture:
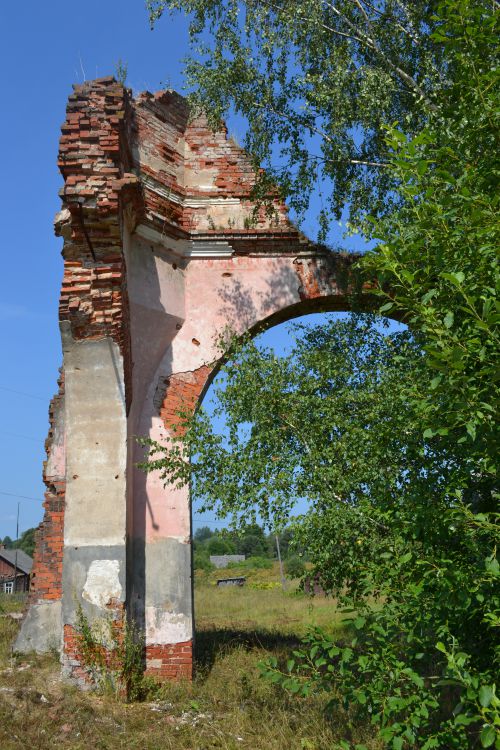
15	570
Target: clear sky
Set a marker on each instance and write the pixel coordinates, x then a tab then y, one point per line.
44	49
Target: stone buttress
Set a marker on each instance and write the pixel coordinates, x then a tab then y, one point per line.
163	251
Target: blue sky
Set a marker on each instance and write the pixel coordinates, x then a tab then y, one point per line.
44	49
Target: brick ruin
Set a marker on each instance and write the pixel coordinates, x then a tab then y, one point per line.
162	252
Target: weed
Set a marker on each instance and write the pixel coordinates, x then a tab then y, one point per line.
121	71
227	707
113	656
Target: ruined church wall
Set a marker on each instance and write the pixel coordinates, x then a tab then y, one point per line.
162	254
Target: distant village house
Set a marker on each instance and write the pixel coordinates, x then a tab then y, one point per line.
15	570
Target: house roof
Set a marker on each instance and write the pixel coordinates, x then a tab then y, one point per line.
24	561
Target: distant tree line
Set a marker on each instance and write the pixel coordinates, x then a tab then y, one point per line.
26	542
252	542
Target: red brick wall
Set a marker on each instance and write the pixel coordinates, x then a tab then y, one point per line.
46	574
46	577
170	662
93	159
78	664
182	392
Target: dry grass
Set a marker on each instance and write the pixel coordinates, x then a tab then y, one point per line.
12	602
287	613
227	707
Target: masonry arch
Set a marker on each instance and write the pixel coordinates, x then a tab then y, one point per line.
163	249
240	292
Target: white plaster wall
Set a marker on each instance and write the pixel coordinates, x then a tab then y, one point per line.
96	434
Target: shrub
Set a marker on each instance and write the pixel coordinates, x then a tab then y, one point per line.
294	567
217	545
201	561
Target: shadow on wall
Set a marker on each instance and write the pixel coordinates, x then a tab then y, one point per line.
148	350
325	283
289	287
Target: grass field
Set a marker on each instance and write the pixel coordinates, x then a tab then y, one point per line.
227	707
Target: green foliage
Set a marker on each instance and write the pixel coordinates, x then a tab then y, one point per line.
262	563
113	657
202	534
201	561
316	81
438	264
295	567
264	585
251	541
121	71
26	542
392	439
219	545
387	520
291	422
423	665
286	540
420	691
252	545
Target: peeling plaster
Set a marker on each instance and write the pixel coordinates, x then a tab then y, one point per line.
167	626
102	583
141	314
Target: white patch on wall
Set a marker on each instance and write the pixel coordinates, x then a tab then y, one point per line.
167	627
102	582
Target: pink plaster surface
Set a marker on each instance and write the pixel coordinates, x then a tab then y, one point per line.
215	301
197	186
168	512
235	293
56	465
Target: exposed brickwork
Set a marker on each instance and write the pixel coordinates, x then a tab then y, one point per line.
46	574
78	664
171	662
317	274
94	159
46	577
182	393
184	165
141	165
159	124
99	196
91	298
73	656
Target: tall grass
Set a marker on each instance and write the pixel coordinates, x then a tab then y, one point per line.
228	706
286	613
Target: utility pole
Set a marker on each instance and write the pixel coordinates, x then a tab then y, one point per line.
283	579
14	588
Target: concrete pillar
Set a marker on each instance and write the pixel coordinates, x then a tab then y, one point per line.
94	561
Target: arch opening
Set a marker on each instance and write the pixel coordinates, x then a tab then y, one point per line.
244	612
163	251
